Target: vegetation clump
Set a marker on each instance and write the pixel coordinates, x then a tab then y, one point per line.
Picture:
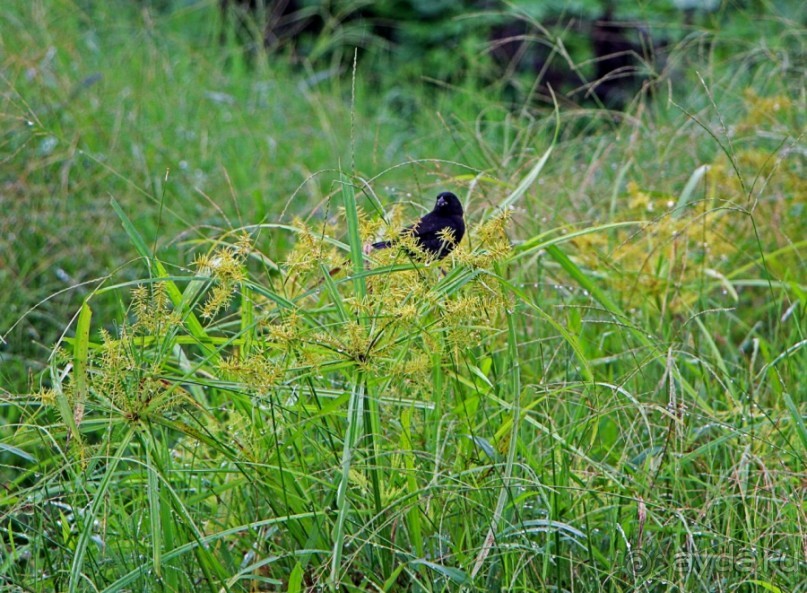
206	382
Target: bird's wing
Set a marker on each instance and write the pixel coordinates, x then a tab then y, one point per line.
430	233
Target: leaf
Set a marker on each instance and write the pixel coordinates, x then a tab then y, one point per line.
455	575
478	372
18	452
798	421
765	585
689	188
295	579
354	237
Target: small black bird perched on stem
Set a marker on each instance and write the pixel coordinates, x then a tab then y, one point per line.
438	232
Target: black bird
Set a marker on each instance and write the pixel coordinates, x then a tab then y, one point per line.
438	232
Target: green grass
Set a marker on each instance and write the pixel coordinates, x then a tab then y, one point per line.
602	388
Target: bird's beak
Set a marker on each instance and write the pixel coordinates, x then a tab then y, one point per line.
441	202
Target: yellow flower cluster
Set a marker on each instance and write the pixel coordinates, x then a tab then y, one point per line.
255	372
152	309
225	267
666	260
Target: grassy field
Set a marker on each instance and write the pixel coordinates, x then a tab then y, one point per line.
601	389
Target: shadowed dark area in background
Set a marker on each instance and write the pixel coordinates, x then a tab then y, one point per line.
612	50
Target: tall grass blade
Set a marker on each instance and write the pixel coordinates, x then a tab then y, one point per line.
536	169
413	515
354	237
91	516
81	346
247	320
333	292
155	512
455	575
689	189
354	415
123	583
514	373
583	279
798	420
